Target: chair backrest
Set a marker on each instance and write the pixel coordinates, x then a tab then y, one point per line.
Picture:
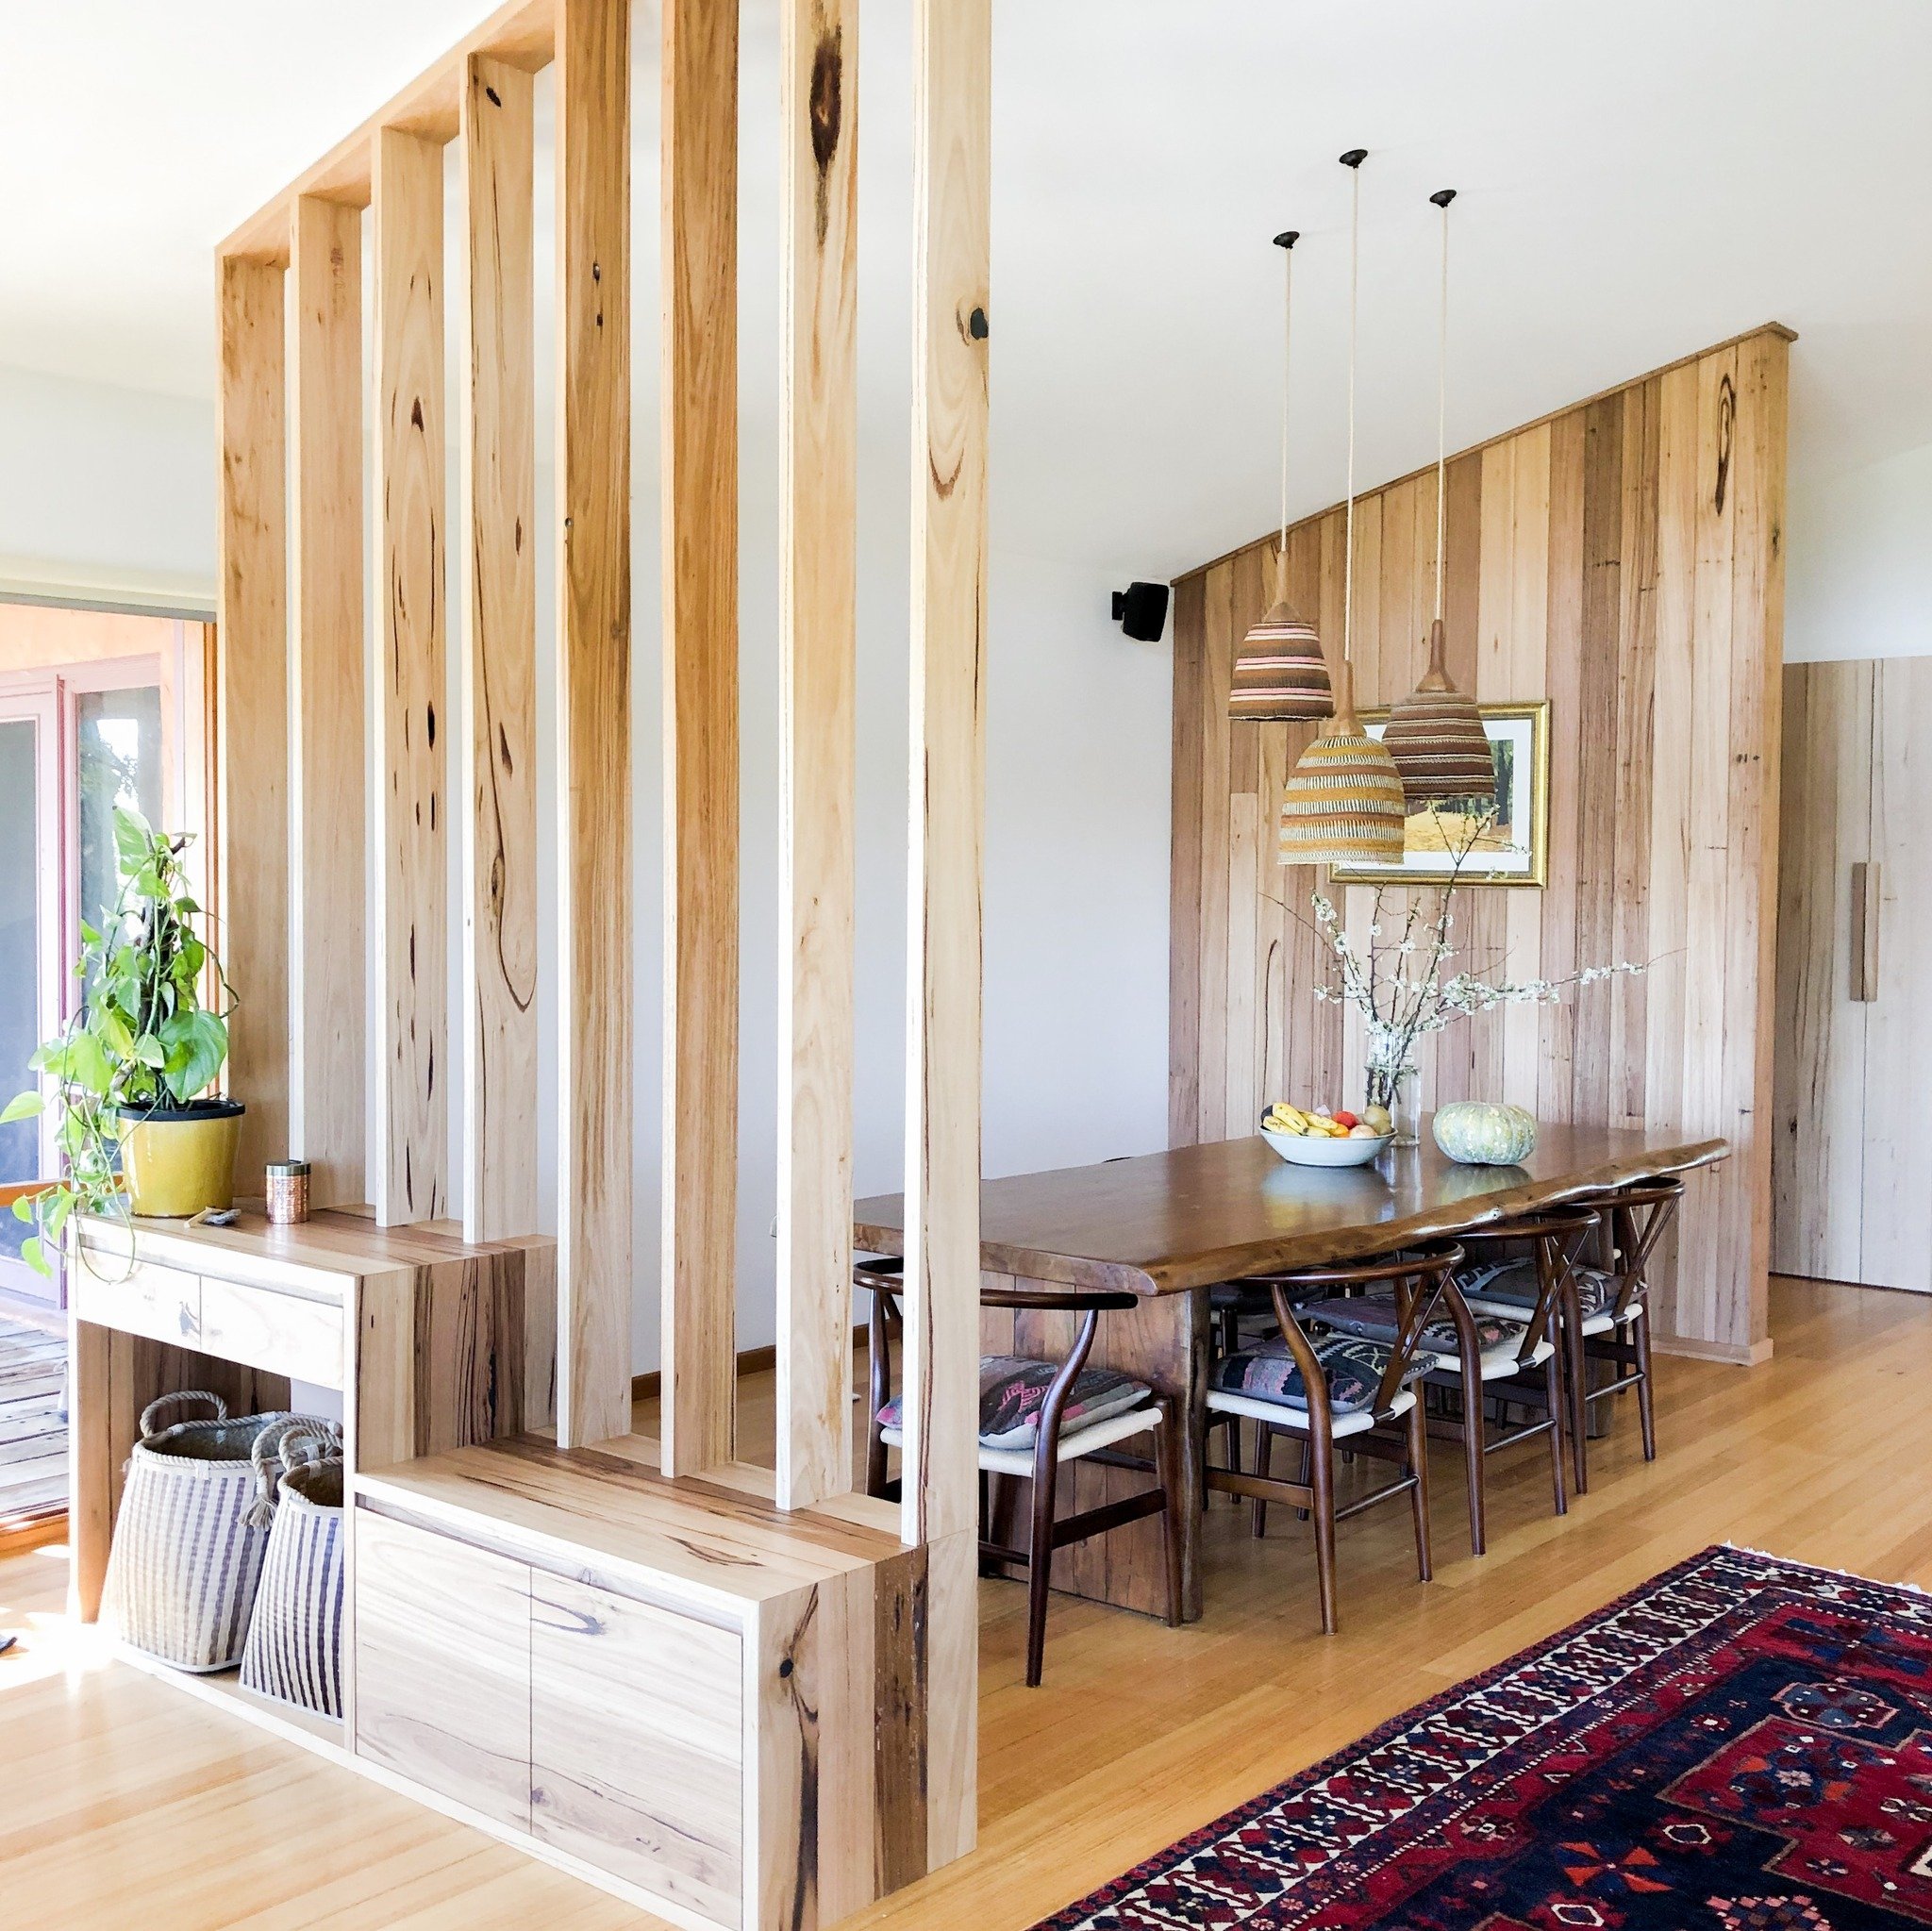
1634	1218
1557	1237
1420	1276
884	1281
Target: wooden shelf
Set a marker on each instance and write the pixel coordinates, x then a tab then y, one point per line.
716	1540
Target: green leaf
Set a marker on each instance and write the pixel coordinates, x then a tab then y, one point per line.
150	1052
115	1033
24	1207
86	1065
133	839
87	935
24	1106
31	1252
197	1044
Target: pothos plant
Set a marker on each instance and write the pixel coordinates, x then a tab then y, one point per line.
140	1039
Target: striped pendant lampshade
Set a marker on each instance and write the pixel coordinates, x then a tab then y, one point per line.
1343	804
1281	676
1435	737
1279	671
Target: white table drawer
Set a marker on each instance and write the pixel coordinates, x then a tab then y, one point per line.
281	1334
162	1304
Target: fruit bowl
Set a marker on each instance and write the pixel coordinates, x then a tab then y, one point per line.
1319	1150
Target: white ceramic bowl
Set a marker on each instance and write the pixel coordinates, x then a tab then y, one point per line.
1318	1150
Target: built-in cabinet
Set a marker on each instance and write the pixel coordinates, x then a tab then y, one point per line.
1852	1160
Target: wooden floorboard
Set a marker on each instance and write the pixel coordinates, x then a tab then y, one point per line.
131	1803
33	1437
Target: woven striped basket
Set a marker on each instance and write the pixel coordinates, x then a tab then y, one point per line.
184	1561
294	1649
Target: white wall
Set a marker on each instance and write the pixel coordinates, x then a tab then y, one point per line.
109	491
1858	561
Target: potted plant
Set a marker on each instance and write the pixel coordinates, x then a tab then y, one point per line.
127	1073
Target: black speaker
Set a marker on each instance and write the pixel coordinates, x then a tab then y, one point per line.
1140	611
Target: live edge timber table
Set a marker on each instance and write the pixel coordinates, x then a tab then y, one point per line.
1169	1226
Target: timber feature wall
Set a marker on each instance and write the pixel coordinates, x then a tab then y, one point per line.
1623	560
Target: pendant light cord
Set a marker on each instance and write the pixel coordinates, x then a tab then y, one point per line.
1354	250
1286	343
1443	411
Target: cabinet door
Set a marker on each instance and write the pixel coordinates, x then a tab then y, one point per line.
1896	1195
1819	1143
442	1665
637	1730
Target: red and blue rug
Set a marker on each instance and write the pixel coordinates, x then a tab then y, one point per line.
1742	1744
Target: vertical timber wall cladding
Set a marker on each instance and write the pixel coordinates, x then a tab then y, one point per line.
1624	560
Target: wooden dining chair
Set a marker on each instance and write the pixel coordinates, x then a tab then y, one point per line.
1334	1394
1035	1416
1486	1362
1615	1331
1541	1261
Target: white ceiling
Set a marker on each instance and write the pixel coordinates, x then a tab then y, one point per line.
1637	180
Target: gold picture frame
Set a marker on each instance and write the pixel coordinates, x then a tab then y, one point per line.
1519	738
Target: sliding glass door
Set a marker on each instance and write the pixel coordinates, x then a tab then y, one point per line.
30	938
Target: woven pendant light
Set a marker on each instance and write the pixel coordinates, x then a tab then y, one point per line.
1280	675
1436	734
1343	803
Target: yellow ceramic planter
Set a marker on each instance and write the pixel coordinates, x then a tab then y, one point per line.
180	1161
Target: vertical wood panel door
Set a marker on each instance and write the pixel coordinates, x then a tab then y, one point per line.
1852	1168
1888	934
442	1665
637	1738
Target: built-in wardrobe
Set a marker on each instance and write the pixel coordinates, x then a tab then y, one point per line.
1852	1155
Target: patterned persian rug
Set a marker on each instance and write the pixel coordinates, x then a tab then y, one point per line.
1742	1744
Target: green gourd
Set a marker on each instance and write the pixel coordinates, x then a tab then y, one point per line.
1480	1134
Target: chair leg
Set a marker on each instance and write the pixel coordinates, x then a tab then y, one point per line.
875	1462
1646	1412
1474	1462
1553	1399
1040	1570
1578	1378
1324	1486
1264	1467
1419	1495
1167	1455
1304	1478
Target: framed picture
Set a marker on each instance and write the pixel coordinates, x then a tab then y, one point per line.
1514	849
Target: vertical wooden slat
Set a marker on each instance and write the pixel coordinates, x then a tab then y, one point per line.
817	577
1635	682
250	863
410	949
326	978
1750	968
1563	686
1187	1003
592	85
498	456
700	569
952	121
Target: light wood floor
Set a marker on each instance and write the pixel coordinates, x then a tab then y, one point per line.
33	1437
123	1801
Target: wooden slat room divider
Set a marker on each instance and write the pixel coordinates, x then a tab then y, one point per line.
843	1641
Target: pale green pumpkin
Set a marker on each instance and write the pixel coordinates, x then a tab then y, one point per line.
1480	1134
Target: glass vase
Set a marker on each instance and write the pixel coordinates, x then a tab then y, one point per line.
1398	1087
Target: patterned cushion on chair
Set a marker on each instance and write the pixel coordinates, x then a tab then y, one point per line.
1352	1367
1374	1317
1514	1283
1012	1391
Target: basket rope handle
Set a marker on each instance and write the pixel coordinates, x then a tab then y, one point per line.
168	1403
284	1445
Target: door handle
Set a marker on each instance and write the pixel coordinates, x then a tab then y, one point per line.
1865	897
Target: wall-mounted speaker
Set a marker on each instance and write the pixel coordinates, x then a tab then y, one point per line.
1140	611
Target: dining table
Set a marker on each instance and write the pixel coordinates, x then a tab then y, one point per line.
1168	1226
